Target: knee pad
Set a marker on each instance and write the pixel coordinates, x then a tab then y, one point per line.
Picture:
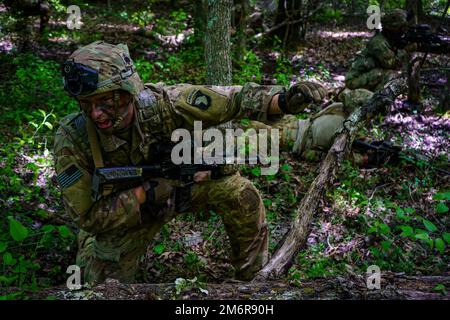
317	133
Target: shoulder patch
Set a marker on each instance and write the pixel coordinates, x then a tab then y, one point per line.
198	99
68	177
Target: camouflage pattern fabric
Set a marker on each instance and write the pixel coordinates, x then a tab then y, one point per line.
376	64
115	254
115	229
395	20
109	60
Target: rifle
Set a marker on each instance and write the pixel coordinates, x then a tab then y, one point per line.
128	177
426	40
116	179
385	151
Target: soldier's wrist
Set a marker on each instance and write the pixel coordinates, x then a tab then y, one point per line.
140	194
282	102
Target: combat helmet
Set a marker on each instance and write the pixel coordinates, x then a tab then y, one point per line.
100	67
395	20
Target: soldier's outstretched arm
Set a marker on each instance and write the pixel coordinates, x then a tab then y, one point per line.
74	175
218	104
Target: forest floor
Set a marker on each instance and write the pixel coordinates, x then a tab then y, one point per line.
394	216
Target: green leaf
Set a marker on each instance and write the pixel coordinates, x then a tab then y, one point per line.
440	245
384	228
245	122
159	248
17	230
48	125
441	208
429	225
267	203
48	228
442	196
409	210
440	288
256	171
446	237
64	231
372	229
402	215
8	259
3	246
386	244
423	236
418	230
407	231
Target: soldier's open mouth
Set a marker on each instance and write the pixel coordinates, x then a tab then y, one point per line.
104	124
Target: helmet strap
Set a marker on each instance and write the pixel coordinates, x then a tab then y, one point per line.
118	118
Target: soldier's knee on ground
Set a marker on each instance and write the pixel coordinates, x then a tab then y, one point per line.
115	255
247	229
353	99
367	80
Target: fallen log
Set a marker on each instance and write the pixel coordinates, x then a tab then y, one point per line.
296	237
350	286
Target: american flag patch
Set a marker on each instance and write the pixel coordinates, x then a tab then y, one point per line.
68	177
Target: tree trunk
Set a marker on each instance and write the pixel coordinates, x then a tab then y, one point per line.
296	237
240	24
289	11
200	9
414	81
218	43
444	104
412	6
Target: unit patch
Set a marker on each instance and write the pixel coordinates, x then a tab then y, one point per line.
68	177
198	99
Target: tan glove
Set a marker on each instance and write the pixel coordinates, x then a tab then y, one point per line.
300	95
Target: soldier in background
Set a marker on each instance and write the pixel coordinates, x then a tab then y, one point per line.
383	56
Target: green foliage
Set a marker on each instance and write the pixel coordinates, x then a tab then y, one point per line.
36	90
329	14
182	285
284	70
184	66
142	17
312	263
32	99
174	24
250	70
17	230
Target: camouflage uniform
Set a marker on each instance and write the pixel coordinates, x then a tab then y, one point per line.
378	62
115	230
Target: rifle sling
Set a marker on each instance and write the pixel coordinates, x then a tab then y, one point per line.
97	153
